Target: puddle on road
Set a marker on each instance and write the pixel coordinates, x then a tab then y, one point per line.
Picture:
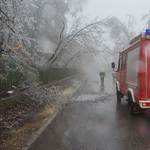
87	97
91	97
92	90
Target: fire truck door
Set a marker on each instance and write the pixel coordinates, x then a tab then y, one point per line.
147	51
123	74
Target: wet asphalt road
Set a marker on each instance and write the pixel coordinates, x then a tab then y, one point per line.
94	121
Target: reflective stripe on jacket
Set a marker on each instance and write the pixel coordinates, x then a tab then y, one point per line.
102	74
114	74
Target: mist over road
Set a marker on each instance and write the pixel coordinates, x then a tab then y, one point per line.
94	121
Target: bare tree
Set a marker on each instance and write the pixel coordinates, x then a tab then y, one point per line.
147	18
88	36
121	33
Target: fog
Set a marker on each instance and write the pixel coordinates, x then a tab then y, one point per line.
120	9
53	39
103	9
47	45
92	66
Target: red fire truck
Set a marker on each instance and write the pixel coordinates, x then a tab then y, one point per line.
133	73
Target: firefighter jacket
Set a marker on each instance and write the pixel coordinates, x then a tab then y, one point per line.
102	74
114	74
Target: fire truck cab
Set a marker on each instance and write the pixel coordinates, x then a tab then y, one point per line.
133	73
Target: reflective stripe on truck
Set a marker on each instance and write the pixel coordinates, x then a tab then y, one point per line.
132	94
118	85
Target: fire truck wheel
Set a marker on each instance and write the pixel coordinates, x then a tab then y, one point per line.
117	94
130	105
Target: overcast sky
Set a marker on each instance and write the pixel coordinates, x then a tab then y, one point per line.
118	8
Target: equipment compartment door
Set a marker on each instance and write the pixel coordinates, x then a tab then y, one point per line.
132	67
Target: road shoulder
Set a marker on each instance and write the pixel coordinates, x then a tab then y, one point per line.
66	94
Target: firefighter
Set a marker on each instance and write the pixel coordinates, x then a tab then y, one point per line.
102	75
114	76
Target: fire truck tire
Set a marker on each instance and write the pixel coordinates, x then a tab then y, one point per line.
131	104
117	94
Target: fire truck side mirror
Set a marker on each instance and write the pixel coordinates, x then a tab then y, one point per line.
113	65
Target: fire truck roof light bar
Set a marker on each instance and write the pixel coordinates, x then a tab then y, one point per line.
147	34
147	31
